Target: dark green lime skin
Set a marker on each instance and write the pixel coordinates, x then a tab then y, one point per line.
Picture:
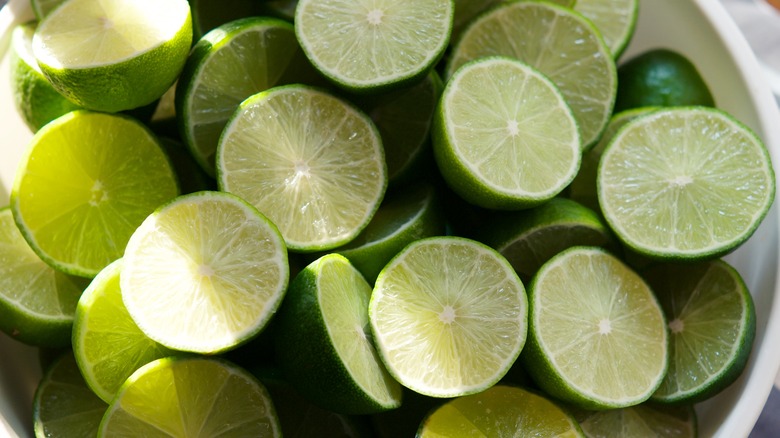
660	77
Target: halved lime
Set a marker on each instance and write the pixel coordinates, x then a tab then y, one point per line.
191	396
448	316
114	55
557	41
308	160
588	314
322	344
86	181
500	411
504	137
644	420
712	323
221	263
685	183
615	20
107	344
372	45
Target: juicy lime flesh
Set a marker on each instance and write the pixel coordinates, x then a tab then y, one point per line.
593	313
213	256
556	42
448	316
373	42
511	127
89	180
314	166
614	19
688	181
190	397
343	299
499	411
85	33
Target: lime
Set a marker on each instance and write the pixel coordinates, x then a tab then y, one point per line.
107	344
210	14
221	263
227	65
41	8
557	41
373	45
588	314
37	303
86	181
500	411
615	20
36	100
712	323
644	420
504	137
448	316
114	55
308	160
322	344
64	405
685	183
193	396
661	77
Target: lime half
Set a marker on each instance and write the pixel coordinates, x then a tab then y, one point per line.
615	20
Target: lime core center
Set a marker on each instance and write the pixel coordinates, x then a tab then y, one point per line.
447	315
605	327
375	17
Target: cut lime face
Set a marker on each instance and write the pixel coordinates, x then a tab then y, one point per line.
193	396
685	183
322	344
86	182
369	45
448	316
558	42
221	263
589	312
615	20
504	137
646	419
306	159
500	411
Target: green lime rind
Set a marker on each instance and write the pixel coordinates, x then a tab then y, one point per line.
645	419
64	405
107	344
37	303
615	20
176	396
712	324
685	200
322	346
576	299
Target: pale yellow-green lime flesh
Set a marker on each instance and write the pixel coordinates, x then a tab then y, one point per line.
86	181
642	420
222	264
306	159
588	314
191	396
448	316
107	344
615	20
685	183
500	411
558	42
378	44
504	136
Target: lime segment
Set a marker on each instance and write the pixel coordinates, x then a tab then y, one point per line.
615	20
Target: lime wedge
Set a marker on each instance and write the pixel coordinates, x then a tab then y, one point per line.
306	159
588	313
448	316
221	263
195	396
644	420
685	183
615	20
504	137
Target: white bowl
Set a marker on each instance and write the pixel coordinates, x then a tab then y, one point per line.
700	29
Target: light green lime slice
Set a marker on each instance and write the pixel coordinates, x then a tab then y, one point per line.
588	314
86	181
685	183
372	45
306	159
557	41
644	420
615	20
194	396
448	316
504	137
222	265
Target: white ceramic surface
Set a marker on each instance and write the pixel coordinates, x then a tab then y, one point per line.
700	29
